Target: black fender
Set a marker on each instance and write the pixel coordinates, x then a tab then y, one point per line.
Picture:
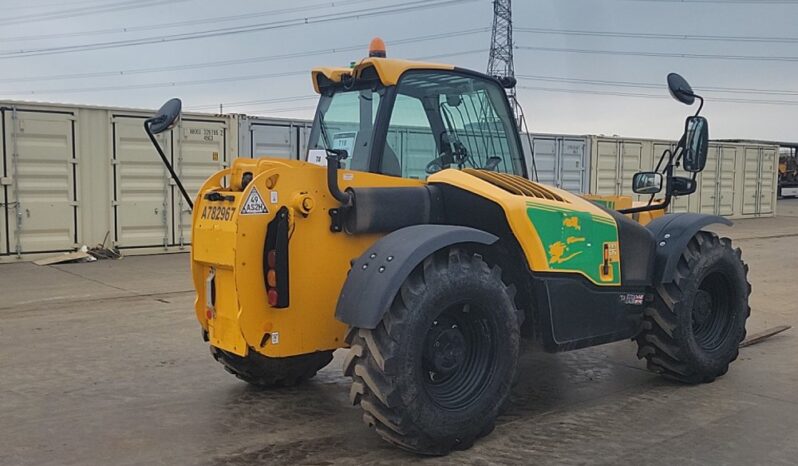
379	272
672	233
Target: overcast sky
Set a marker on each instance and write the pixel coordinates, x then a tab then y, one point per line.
577	82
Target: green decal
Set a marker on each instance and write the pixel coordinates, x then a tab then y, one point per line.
577	241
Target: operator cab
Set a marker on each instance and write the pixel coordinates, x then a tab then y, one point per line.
414	122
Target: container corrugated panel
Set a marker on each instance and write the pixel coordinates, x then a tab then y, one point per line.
267	137
545	158
560	160
200	151
40	205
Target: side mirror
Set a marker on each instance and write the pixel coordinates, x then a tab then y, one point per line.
696	144
647	182
680	89
166	116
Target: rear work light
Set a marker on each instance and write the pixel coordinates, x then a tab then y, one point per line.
275	260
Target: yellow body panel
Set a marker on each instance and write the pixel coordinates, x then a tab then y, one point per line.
389	70
539	256
232	244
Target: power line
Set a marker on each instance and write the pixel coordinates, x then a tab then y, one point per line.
156	85
646	35
741	2
661	54
32	6
281	110
330	17
201	81
84	11
732	90
656	96
246	103
239	61
192	22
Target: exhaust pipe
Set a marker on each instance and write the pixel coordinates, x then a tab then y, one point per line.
334	157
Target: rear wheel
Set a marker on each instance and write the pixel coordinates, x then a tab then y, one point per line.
434	374
265	372
693	332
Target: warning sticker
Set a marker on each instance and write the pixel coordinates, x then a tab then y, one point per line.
254	204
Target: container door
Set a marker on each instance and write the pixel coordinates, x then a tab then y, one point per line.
607	164
766	183
631	163
271	140
545	152
142	195
41	200
751	167
200	151
572	165
708	183
727	171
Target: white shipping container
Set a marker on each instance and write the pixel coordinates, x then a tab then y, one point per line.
75	175
738	181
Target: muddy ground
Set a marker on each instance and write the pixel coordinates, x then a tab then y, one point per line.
102	363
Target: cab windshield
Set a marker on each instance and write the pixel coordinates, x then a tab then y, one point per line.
435	120
345	120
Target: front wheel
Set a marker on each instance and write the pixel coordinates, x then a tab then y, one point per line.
434	374
693	331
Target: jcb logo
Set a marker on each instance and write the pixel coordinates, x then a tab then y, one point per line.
217	213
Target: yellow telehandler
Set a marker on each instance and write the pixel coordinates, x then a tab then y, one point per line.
413	237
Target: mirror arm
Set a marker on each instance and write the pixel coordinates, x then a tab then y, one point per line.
700	104
165	161
662	205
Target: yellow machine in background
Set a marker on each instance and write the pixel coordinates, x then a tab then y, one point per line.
430	267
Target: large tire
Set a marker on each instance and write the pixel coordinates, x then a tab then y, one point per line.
265	372
434	374
692	332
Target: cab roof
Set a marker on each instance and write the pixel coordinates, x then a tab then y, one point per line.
388	70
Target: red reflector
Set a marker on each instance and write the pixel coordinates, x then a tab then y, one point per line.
272	297
271	258
209	313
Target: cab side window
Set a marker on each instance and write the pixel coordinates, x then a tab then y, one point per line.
409	145
446	119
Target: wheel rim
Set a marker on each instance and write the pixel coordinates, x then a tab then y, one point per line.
459	354
712	315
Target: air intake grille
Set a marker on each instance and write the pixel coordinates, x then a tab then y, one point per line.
515	184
